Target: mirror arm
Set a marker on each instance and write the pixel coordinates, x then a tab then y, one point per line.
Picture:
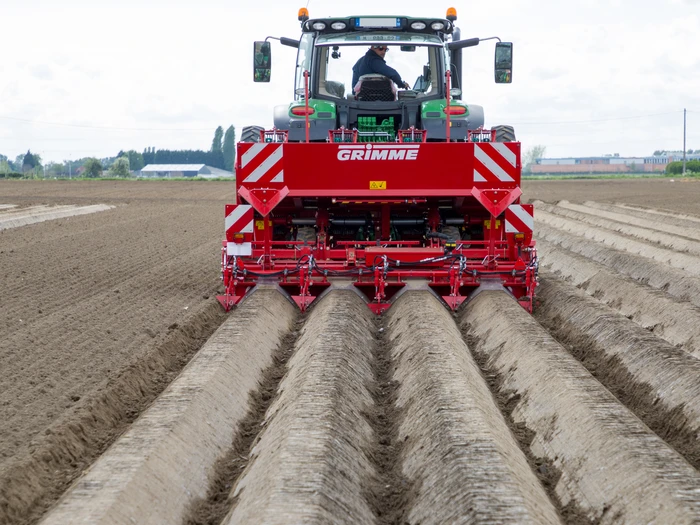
459	44
469	42
284	41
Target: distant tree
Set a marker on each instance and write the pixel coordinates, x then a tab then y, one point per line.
5	166
56	169
229	148
216	144
534	153
120	168
93	168
136	160
216	160
149	156
29	162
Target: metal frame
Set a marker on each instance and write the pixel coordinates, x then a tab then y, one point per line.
282	186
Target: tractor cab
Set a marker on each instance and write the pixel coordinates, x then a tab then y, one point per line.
426	53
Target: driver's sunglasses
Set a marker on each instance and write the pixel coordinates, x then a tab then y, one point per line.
382	48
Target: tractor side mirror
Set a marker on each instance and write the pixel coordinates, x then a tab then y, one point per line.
503	63
262	62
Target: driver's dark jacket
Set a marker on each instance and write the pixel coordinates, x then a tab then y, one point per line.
372	63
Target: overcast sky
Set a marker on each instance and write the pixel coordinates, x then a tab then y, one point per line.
89	78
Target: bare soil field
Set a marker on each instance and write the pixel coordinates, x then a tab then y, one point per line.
128	396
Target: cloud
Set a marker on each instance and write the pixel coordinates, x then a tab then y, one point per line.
551	73
41	72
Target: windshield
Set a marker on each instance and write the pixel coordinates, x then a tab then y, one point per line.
303	62
416	64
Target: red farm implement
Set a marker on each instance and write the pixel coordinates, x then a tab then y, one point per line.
379	215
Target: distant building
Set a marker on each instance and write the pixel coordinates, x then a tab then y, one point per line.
182	170
608	164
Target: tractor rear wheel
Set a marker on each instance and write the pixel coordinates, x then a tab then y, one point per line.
306	234
251	133
504	133
452	232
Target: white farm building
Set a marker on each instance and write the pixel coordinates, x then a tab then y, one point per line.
182	170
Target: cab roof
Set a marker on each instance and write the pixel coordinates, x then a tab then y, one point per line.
373	24
380	37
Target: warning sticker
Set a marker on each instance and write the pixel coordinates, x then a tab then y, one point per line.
377	185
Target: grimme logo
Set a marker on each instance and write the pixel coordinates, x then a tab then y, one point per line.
378	152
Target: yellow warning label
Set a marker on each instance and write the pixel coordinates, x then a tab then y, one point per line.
259	225
377	185
487	223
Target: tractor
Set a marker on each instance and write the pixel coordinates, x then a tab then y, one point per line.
377	187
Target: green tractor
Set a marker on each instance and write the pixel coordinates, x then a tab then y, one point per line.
425	51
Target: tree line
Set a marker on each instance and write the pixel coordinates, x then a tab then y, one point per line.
222	155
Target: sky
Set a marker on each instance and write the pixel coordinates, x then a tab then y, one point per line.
90	78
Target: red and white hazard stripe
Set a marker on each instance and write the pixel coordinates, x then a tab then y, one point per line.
262	164
239	219
520	218
494	162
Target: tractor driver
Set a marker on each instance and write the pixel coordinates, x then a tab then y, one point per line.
373	63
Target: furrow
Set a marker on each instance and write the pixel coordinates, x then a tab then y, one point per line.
13	212
663	215
162	463
659	382
613	468
680	252
212	509
668	223
59	212
679	239
676	322
312	459
657	275
458	452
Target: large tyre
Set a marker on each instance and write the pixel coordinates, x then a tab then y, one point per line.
251	133
452	232
306	234
504	133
